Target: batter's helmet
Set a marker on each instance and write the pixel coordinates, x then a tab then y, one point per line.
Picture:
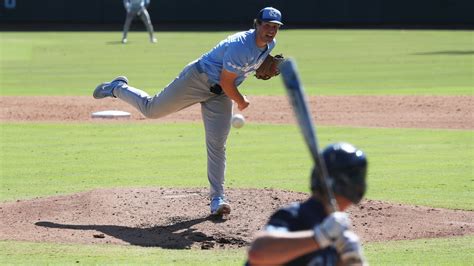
347	169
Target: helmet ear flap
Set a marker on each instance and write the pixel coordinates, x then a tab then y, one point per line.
347	169
316	183
349	189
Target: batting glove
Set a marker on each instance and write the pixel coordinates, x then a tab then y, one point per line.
349	249
331	229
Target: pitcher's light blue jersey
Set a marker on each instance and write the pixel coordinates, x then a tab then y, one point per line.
238	53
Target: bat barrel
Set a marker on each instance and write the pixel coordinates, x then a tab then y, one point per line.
300	105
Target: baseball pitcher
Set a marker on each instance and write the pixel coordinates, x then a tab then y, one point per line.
211	81
137	8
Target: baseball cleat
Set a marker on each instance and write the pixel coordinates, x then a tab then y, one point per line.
153	40
106	89
219	206
124	40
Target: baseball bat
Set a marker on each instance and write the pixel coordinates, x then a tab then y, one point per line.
299	103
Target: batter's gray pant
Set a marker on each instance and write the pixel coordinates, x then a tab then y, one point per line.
191	87
143	13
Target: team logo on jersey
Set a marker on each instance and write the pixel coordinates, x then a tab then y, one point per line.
247	69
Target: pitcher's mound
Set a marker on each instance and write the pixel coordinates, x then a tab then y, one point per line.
179	218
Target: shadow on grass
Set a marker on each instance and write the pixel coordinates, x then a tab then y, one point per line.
114	43
467	52
179	235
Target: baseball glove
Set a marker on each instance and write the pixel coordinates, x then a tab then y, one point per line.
269	67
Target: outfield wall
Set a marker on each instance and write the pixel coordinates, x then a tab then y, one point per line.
295	12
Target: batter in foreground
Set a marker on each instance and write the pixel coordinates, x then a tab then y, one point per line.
211	81
307	233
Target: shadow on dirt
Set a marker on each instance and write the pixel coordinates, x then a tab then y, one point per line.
179	235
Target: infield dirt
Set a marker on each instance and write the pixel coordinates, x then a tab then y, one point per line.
450	112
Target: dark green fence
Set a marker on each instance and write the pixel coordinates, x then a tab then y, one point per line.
295	12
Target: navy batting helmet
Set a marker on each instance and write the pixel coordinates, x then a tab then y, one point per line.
347	169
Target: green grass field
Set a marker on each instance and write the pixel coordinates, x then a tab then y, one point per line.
330	61
412	166
60	159
418	252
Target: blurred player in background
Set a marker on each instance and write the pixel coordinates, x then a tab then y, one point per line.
305	233
137	8
211	81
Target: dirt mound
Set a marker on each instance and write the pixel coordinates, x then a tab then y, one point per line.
179	218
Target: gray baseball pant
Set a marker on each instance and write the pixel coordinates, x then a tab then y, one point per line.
145	17
191	87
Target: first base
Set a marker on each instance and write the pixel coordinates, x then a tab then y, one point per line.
111	114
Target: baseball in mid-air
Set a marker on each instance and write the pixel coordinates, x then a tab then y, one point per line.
238	121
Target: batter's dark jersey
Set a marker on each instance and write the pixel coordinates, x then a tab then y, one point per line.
299	217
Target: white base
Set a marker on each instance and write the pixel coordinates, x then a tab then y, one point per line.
110	114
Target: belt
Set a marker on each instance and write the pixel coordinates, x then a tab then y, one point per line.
216	88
